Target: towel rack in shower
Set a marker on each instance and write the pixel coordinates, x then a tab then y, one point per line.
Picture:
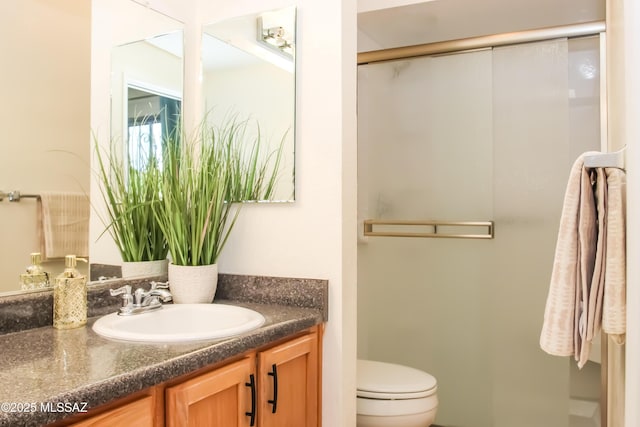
616	159
15	196
437	229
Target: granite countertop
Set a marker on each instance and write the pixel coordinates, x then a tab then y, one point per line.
45	368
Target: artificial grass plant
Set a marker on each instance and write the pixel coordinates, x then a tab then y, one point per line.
203	181
129	192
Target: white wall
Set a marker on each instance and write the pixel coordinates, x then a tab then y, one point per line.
315	236
433	21
630	62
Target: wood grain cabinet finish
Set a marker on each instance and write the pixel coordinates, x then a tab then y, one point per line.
276	387
288	384
138	413
221	398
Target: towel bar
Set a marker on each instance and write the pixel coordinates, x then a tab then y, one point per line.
15	196
439	229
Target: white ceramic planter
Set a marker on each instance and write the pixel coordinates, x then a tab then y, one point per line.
144	268
193	284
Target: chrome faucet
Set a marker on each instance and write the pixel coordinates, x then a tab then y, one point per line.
142	301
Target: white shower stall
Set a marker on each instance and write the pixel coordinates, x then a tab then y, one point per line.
482	135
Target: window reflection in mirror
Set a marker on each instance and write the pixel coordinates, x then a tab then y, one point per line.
152	118
146	94
248	70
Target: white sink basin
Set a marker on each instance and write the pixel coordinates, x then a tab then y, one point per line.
180	323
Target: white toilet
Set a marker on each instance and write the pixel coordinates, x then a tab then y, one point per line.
391	395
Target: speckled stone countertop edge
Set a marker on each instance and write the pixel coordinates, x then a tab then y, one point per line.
24	311
118	386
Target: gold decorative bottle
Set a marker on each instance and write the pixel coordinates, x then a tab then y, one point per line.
70	297
35	277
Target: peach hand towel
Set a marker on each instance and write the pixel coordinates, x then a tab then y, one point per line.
63	223
614	314
593	288
572	267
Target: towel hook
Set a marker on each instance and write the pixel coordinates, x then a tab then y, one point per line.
615	159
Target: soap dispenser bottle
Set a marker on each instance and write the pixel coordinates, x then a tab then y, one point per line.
70	297
35	277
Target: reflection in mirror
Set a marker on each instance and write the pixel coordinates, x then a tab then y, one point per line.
152	117
249	71
146	91
146	94
44	117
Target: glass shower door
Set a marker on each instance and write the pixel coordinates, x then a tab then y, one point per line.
483	135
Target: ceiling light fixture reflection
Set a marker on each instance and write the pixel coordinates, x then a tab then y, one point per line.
588	70
276	38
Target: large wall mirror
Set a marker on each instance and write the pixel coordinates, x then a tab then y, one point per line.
44	116
46	84
248	71
146	75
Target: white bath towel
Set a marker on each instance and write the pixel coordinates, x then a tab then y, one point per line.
63	224
588	270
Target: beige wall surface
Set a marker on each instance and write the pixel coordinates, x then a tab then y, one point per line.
630	63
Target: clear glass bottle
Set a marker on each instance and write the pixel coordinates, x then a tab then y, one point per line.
70	297
35	277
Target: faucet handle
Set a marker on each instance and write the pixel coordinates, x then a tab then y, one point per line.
124	291
159	285
127	298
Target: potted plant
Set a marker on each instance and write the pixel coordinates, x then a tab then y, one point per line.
129	189
204	182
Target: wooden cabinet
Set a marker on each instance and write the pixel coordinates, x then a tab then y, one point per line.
288	384
138	413
224	397
275	386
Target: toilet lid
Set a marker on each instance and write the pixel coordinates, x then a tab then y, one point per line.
381	380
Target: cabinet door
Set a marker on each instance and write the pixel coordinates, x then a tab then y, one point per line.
137	413
221	398
288	384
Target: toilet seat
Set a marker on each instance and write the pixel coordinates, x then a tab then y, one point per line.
389	381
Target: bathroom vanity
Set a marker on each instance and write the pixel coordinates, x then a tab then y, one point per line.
270	376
